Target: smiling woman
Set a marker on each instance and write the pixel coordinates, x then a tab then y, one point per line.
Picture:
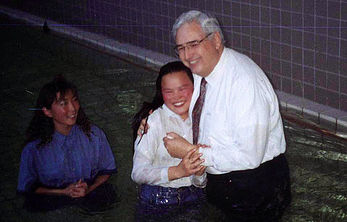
177	90
63	112
171	188
66	160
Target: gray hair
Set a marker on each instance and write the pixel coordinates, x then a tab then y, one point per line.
208	23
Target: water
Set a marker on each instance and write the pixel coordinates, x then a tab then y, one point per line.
111	92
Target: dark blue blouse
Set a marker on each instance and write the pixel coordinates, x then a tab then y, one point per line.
65	160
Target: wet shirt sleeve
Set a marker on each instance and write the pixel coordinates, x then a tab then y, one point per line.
199	181
28	177
144	172
106	162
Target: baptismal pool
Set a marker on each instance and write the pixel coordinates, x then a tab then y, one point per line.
111	91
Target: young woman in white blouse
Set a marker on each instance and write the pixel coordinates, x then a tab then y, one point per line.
169	187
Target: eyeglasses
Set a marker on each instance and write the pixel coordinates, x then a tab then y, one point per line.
180	49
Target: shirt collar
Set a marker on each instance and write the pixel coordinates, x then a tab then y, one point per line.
60	139
215	75
172	114
169	112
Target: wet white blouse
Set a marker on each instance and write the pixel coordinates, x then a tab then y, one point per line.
151	160
240	119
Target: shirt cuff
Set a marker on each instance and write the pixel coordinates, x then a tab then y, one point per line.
199	181
164	174
207	156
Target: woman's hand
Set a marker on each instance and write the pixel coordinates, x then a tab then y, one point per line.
201	172
76	190
189	165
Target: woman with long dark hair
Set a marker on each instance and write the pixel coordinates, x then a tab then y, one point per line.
170	188
66	159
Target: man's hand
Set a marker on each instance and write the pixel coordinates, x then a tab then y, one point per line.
176	145
143	126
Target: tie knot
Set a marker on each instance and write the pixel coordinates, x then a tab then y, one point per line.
203	82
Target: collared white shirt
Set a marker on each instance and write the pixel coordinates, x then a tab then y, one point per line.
151	160
240	119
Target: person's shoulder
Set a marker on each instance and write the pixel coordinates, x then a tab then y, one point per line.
155	116
95	130
241	61
245	69
238	56
155	120
31	146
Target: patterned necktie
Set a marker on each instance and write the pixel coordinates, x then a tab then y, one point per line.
197	110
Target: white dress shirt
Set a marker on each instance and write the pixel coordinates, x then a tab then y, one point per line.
240	118
151	160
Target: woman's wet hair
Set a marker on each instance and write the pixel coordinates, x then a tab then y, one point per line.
158	101
41	126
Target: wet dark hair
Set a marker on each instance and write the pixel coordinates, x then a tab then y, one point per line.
158	101
42	127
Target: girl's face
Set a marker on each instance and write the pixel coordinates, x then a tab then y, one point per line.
64	112
177	90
